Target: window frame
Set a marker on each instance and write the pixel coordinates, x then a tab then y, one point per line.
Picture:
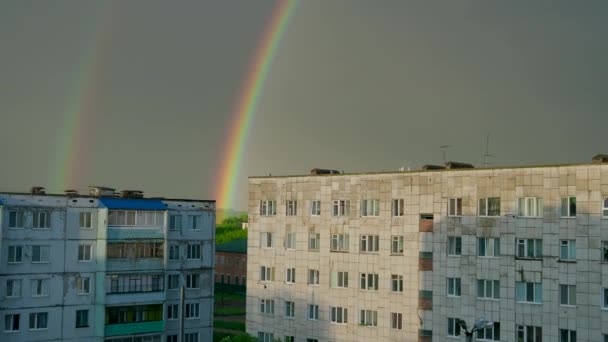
494	333
17	254
397	283
340	208
338	315
339	243
315	208
368	318
36	321
494	286
453	328
268	208
454	287
570	295
455	207
313	277
522	333
339	280
537	291
369	244
85	220
485	209
290	309
567	206
396	320
495	247
290	275
454	246
12	322
291	208
41	284
530	207
313	312
37	219
19	219
13	288
82	318
524	247
397	208
87	249
397	244
369	281
370	208
570	250
41	253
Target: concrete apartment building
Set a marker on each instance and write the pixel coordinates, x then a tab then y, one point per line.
103	267
402	256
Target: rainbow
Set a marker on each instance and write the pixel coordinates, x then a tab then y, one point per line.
70	163
242	117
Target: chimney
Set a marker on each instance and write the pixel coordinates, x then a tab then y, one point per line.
37	190
101	191
132	194
71	193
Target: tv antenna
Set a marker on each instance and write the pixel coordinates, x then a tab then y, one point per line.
444	149
487	155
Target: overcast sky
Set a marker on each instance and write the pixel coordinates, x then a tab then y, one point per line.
357	85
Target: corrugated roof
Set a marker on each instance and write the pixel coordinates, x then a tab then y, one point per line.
236	246
133	203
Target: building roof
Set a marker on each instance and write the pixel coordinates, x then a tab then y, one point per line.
236	246
133	203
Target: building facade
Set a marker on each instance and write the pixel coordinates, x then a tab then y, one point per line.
231	263
105	268
404	256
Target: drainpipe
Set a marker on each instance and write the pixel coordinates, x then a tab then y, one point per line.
182	295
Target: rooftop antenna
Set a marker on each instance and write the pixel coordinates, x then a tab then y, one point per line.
487	155
444	152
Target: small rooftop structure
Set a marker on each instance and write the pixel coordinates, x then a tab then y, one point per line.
38	190
132	194
317	171
101	191
458	165
600	159
433	167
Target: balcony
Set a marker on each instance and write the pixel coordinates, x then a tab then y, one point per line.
134	328
126	233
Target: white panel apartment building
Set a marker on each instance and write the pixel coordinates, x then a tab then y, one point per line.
400	256
105	268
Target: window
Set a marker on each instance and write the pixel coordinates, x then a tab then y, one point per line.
339	279
266	240
290	339
172	311
313	277
267	306
488	289
397	244
369	243
13	288
16	218
11	322
41	254
453	287
315	208
85	220
84	252
604	298
339	315
529	333
291	208
42	220
453	327
370	207
130	250
15	254
312	340
605	251
140	218
489	333
369	281
195	222
568	208
397	207
82	318
192	281
567	249
567	294
191	337
368	317
489	206
38	320
455	207
396	283
193	251
290	240
266	273
488	247
530	207
313	312
290	276
289	309
396	320
527	292
339	243
172	281
268	208
175	222
134	282
342	208
604	210
567	335
313	241
40	287
173	252
191	310
265	337
454	245
83	285
529	248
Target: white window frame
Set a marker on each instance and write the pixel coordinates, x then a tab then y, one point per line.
368	318
315	208
192	311
453	327
290	275
568	207
605	207
455	207
370	208
396	320
531	292
19	219
398	207
290	240
566	335
172	312
567	250
10	319
339	243
16	257
396	283
313	312
174	252
85	220
268	208
37	320
267	306
314	240
83	285
173	281
604	303
266	240
290	309
265	337
341	208
397	244
15	288
291	208
529	248
338	315
41	219
193	281
454	287
85	253
567	292
489	333
82	318
488	289
195	222
339	279
43	252
454	246
491	247
368	281
191	337
194	251
266	274
313	277
530	207
369	244
529	333
484	209
175	222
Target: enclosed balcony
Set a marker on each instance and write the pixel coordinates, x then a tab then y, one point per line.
128	320
130	218
140	255
133	288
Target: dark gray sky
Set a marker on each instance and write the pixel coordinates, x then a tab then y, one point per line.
356	85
